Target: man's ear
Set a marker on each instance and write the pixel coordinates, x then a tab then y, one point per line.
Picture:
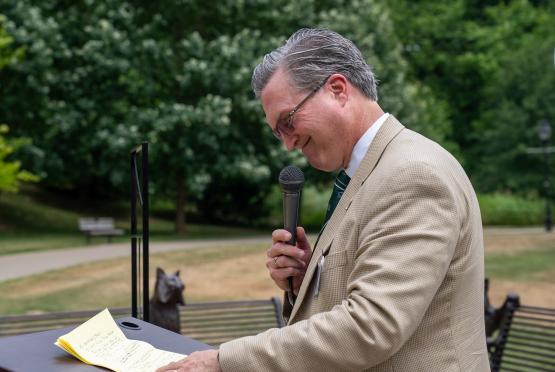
338	85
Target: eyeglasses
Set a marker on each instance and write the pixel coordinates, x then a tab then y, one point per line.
285	126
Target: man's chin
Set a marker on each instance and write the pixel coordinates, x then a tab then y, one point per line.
320	165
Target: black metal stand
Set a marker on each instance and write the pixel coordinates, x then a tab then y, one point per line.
139	192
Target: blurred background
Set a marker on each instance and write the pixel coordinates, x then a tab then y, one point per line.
82	82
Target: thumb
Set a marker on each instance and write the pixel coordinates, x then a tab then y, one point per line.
302	240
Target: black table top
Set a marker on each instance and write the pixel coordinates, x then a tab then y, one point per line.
37	352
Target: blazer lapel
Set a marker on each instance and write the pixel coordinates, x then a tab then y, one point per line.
390	128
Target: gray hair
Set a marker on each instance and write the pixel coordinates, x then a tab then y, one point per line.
310	55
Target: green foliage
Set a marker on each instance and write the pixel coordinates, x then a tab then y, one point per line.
491	65
496	209
503	209
519	93
314	203
314	206
11	173
442	56
21	210
100	77
103	76
8	55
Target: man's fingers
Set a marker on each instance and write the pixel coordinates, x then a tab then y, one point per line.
284	261
282	249
171	366
302	239
281	235
283	273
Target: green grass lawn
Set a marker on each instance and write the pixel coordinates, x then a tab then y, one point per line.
15	243
522	266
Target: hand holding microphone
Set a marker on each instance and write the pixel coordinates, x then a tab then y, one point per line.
287	262
290	253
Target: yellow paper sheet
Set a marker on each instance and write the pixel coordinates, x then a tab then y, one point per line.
99	341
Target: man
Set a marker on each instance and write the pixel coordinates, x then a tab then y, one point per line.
395	280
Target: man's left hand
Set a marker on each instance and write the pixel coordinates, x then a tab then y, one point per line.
197	361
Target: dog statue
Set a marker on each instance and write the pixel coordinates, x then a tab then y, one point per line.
164	304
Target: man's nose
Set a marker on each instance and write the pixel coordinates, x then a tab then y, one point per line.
290	141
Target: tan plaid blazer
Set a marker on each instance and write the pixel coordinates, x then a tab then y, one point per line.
402	282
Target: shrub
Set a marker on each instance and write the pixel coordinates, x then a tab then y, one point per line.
22	212
313	207
503	209
496	209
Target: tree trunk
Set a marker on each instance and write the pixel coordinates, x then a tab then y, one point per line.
181	197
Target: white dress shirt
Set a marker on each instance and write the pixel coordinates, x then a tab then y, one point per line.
362	145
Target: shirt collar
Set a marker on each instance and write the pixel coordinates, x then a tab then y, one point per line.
362	145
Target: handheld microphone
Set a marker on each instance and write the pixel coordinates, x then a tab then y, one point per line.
291	180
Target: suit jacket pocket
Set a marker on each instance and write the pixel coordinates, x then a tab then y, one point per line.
334	260
333	281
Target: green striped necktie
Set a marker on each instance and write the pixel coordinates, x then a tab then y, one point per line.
339	187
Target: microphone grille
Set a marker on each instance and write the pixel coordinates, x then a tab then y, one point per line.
291	177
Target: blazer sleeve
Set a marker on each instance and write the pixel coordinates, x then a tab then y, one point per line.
407	238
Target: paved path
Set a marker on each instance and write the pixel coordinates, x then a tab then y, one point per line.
23	264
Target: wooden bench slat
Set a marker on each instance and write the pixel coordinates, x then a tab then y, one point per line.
185	311
226	304
539	341
227	330
538	325
210	325
536	320
218	340
505	369
544	356
519	363
219	327
201	318
534	346
536	310
210	310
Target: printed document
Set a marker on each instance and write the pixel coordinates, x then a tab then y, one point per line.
99	341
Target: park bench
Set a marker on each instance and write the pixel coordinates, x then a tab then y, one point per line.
103	226
209	322
520	338
217	322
